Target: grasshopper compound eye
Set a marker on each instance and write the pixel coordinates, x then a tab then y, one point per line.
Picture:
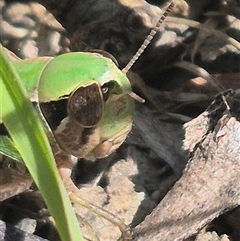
106	89
85	105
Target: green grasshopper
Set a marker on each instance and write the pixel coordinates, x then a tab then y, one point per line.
87	110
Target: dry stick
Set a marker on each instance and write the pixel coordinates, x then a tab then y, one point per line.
210	183
198	71
205	28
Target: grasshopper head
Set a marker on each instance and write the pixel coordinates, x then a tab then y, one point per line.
96	113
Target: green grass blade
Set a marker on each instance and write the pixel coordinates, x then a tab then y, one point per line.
27	133
8	148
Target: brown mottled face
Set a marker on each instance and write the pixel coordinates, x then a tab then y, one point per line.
87	142
75	139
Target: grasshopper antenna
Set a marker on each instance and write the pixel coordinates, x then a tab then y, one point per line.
148	39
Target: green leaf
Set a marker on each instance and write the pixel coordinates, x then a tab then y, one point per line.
8	148
27	133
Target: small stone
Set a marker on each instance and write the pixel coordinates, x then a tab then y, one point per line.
28	225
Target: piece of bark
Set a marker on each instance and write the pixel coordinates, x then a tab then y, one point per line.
211	236
210	183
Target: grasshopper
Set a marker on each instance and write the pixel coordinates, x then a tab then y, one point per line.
88	111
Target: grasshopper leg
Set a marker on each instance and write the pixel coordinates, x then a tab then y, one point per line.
64	164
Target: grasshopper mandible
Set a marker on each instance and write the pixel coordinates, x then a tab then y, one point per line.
88	110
